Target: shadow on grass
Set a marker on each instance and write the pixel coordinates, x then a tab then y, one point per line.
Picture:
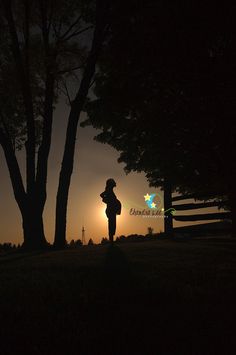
116	267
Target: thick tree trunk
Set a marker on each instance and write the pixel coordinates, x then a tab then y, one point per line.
33	230
168	221
32	210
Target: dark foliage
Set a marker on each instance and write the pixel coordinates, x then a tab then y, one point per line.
165	95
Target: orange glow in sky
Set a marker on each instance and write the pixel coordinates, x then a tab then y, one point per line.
94	163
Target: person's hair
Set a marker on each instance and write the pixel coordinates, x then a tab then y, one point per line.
110	183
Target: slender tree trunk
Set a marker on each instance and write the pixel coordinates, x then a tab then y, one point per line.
65	177
168	221
76	108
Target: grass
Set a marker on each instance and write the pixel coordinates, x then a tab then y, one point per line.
160	297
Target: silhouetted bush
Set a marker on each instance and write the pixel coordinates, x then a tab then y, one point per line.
136	238
78	243
7	247
150	231
104	241
75	244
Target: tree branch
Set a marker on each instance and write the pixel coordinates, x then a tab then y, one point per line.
71	27
68	70
4	124
43	152
44	26
27	97
14	170
66	92
50	18
77	33
92	82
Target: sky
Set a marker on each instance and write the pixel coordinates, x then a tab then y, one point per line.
94	163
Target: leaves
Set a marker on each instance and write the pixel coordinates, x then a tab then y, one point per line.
164	94
52	46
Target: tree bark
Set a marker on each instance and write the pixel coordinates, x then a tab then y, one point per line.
28	205
32	223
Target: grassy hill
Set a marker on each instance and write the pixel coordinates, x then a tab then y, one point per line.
161	297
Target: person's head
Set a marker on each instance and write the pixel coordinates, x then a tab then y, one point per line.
110	183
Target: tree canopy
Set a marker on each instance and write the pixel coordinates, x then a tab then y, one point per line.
164	95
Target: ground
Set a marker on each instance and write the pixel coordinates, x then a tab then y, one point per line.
159	297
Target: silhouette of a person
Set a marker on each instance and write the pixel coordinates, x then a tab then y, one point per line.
113	207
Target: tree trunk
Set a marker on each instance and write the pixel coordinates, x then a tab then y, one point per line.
76	108
31	210
168	221
33	229
64	179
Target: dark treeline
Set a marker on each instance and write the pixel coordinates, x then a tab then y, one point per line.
9	247
221	228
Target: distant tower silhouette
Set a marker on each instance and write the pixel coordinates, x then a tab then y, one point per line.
83	236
